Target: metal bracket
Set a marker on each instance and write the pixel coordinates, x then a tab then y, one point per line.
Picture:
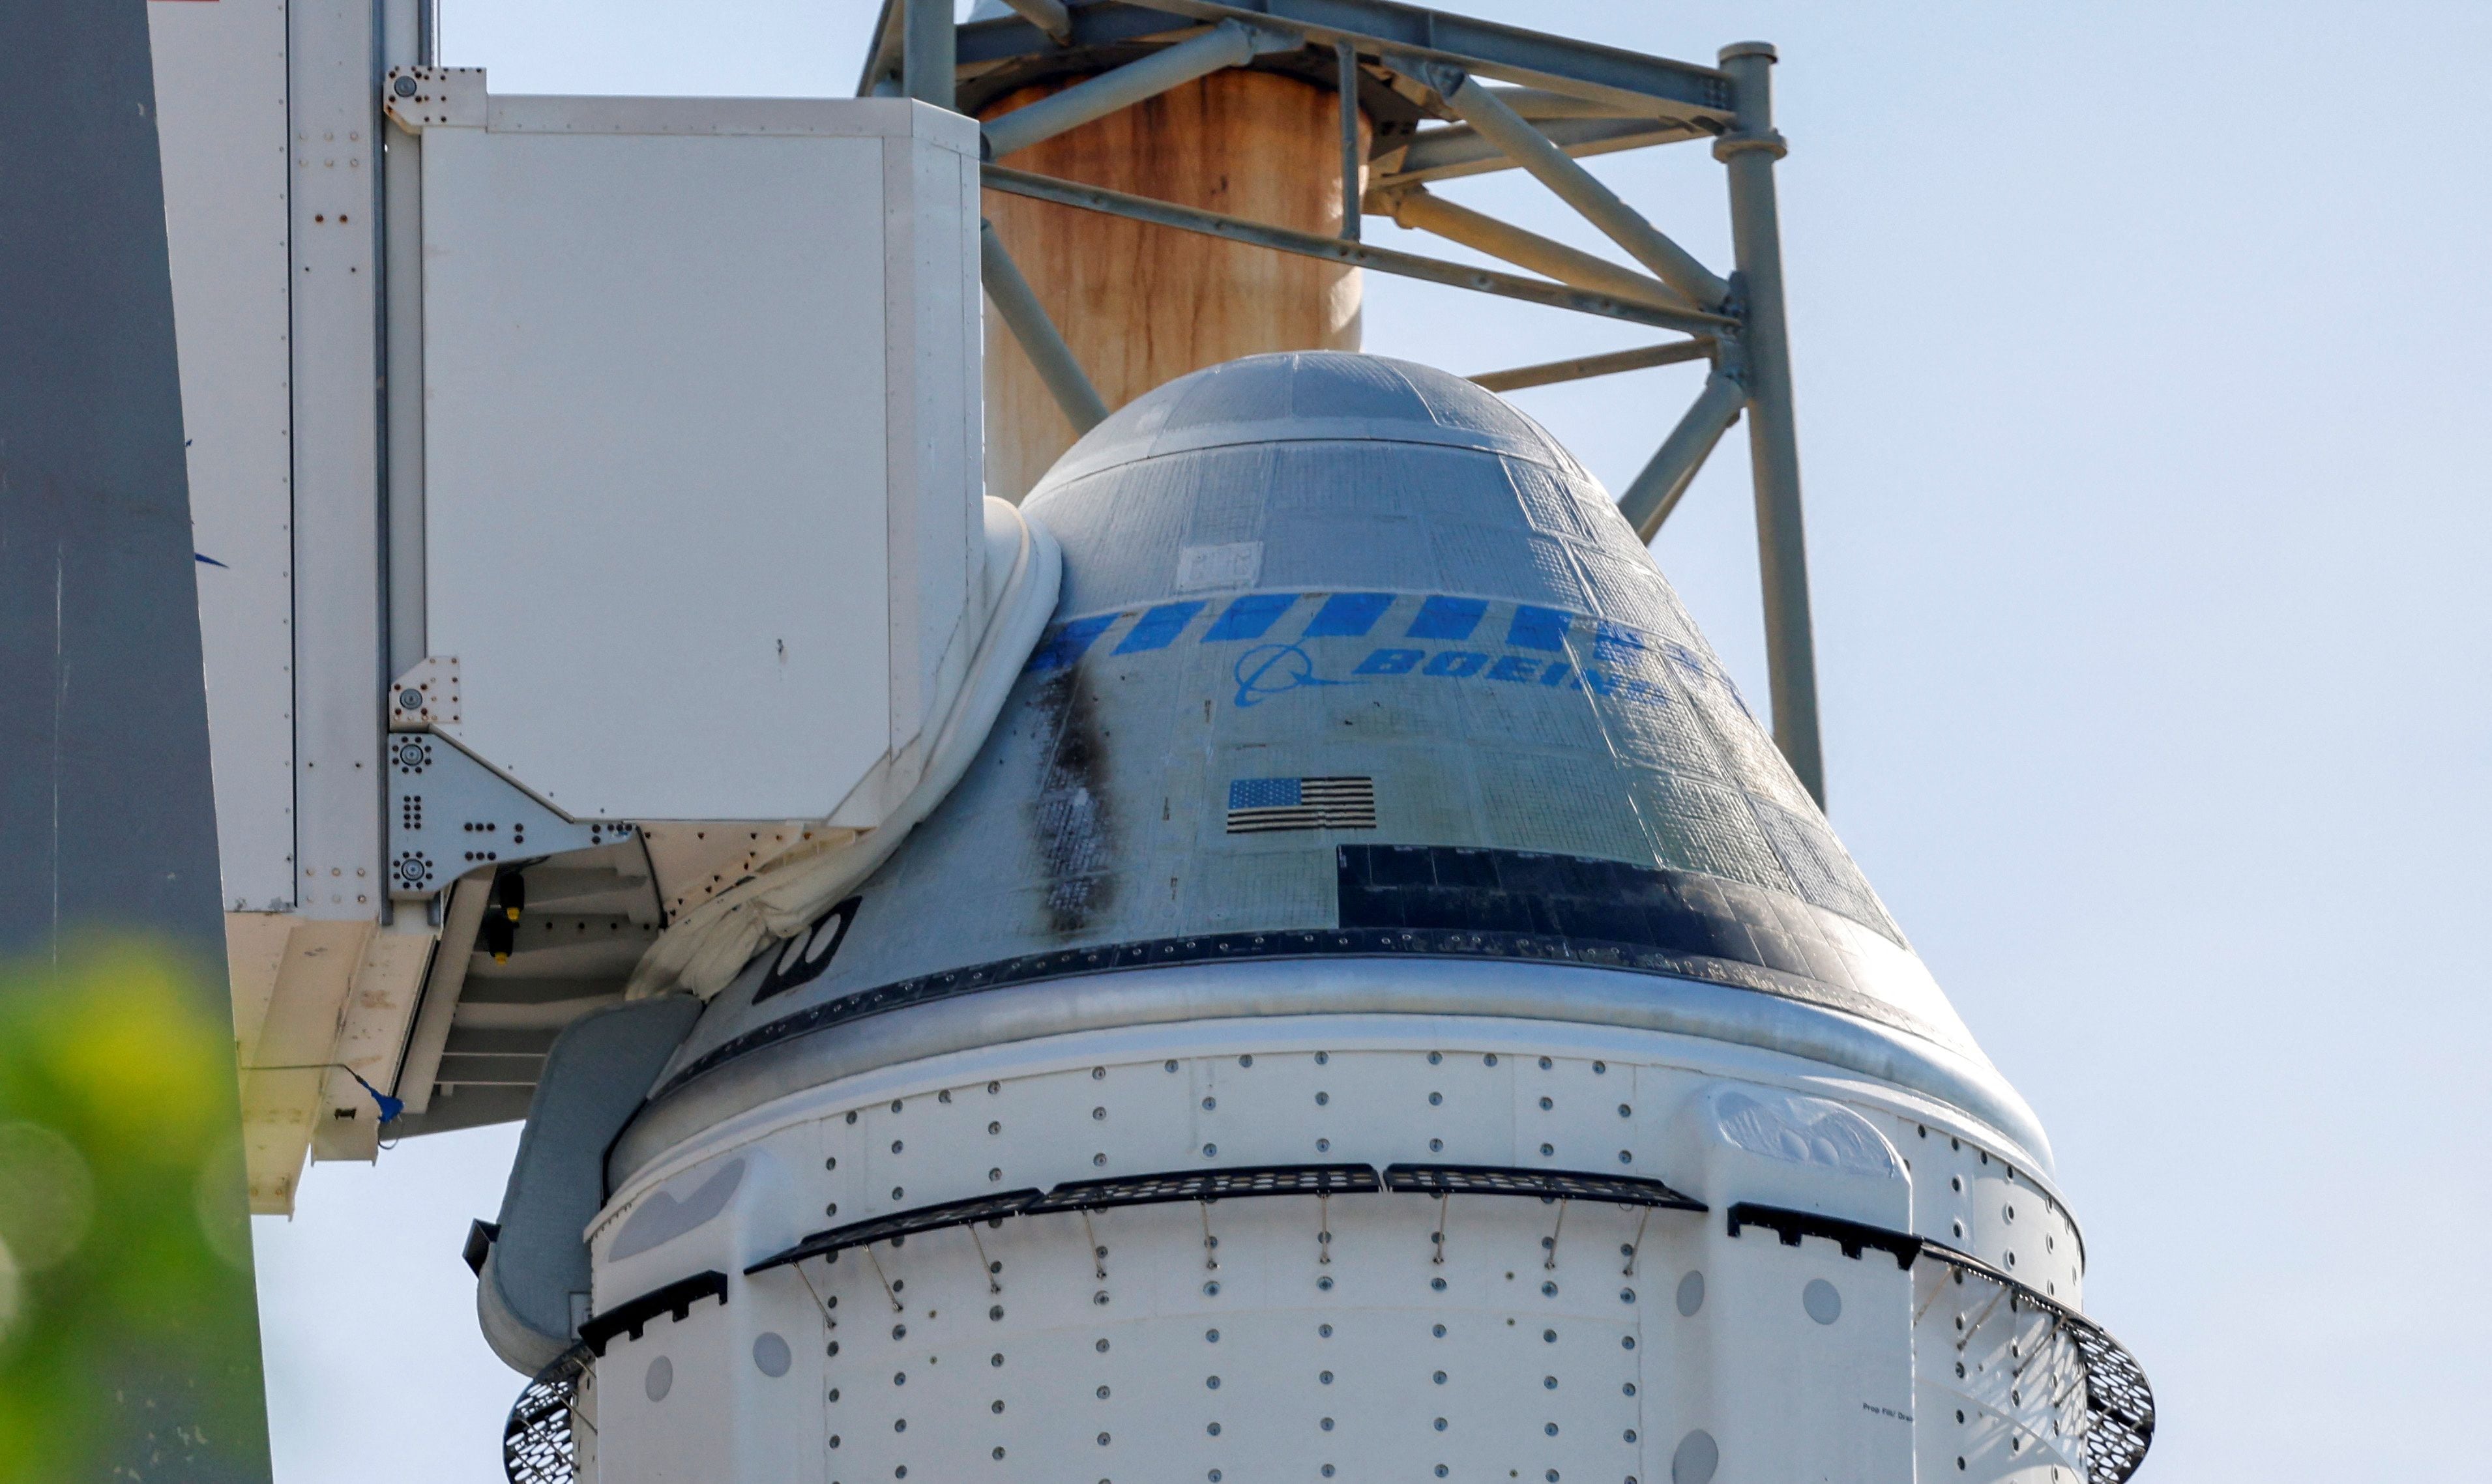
450	814
427	696
415	97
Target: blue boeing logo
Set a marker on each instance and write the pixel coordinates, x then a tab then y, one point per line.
1602	656
1268	671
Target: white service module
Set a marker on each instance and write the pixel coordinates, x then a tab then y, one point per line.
1595	1256
700	429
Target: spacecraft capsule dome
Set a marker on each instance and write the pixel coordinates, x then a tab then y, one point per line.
1355	669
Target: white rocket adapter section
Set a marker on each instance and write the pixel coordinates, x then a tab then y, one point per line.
1377	1006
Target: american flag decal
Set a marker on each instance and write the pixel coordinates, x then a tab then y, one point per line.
1260	804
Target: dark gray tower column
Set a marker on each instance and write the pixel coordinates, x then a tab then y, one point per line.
107	824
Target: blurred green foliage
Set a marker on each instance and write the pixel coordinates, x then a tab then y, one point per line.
128	1341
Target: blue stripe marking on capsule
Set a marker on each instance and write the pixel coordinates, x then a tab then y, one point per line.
1447	618
1616	645
1347	615
1249	616
1158	628
1069	643
1535	628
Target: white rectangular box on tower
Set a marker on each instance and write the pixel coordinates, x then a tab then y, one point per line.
701	425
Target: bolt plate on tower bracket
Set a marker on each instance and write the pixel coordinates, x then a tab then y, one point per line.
415	97
450	814
425	696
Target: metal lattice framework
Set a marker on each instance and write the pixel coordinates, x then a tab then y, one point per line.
904	1224
2031	1344
1445	96
541	1440
2095	1387
1547	1184
1209	1185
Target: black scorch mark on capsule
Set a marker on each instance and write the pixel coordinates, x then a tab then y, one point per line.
1076	825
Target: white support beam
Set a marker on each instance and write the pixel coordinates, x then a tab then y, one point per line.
334	200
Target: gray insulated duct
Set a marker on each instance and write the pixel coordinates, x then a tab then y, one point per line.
532	1275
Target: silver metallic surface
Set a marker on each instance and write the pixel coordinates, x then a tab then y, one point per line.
1358	991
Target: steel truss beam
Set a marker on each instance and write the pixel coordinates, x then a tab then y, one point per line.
1541	104
1049	15
1016	303
1450	153
1223	46
1628	80
1280	239
1353	187
1578	367
1655	494
1576	186
1415	208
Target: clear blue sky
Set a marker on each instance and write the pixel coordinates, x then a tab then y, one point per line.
2143	373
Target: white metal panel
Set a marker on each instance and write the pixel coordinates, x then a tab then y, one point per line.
658	394
402	347
221	124
338	642
403	43
936	411
1379	1336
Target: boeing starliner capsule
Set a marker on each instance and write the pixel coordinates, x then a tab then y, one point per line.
1379	1007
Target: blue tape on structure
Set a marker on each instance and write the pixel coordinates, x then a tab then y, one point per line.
1347	615
1251	616
1447	618
1069	642
1159	627
1536	628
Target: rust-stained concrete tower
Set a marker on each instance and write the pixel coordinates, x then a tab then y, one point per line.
1140	306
